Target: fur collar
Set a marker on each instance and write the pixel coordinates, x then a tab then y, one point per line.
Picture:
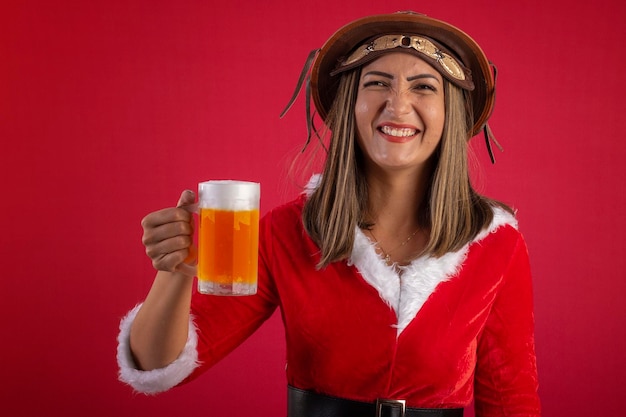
407	294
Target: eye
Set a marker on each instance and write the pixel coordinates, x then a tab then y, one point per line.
374	83
425	87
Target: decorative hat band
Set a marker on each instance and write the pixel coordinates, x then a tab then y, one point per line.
447	65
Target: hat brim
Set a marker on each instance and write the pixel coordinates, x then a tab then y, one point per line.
341	43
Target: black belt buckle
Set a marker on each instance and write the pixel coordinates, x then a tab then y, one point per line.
386	408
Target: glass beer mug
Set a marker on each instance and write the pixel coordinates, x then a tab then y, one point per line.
228	237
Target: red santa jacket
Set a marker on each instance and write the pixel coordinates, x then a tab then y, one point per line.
446	331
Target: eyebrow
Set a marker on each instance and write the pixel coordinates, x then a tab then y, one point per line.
411	78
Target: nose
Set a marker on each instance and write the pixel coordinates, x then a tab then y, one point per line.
398	103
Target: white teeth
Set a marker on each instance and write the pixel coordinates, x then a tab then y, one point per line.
392	131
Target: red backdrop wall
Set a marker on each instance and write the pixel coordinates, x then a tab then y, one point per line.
108	109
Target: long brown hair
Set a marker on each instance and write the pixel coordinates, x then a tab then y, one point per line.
454	212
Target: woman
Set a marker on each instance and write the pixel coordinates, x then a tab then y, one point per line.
401	289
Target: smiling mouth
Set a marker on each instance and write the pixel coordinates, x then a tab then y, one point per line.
398	132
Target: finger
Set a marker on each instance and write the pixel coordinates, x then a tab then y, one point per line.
153	235
174	244
187	201
170	261
164	216
192	257
167	215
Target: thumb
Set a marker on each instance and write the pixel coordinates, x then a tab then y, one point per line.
187	201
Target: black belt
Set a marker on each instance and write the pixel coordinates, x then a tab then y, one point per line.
302	403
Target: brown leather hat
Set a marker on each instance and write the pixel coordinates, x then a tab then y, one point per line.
449	50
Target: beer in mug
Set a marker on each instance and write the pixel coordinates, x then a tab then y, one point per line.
228	237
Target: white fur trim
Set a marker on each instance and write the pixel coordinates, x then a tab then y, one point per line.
375	270
313	183
408	292
158	380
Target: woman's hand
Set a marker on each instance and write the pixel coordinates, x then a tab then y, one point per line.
168	237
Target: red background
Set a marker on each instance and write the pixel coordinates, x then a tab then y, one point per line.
108	109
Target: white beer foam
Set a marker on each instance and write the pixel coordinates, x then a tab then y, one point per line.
229	195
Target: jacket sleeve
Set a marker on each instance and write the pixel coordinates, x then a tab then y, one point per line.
217	326
157	380
223	323
506	372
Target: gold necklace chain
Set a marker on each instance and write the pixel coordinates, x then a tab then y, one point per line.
387	254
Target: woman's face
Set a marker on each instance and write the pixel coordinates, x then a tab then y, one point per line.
399	111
